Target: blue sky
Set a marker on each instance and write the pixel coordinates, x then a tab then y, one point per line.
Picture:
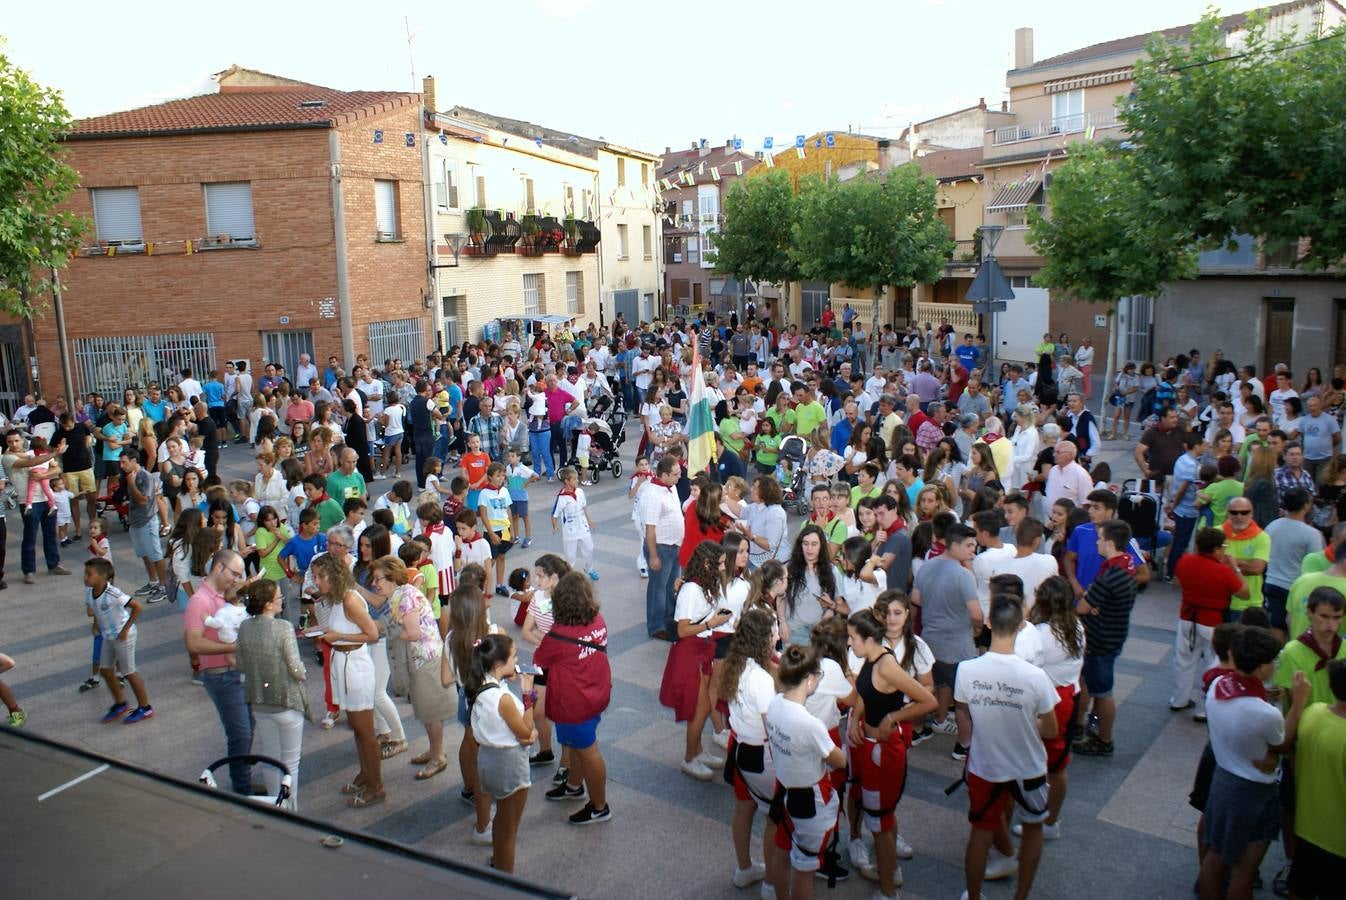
648	75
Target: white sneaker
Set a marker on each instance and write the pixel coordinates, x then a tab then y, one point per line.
904	850
880	895
998	866
768	892
482	838
751	875
860	859
948	726
720	739
1049	832
644	573
710	760
964	897
697	769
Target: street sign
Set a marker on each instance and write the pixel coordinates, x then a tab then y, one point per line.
982	308
990	284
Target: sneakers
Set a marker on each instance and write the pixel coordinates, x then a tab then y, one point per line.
141	714
502	590
593	574
924	734
1092	745
482	838
542	758
526	543
751	875
115	712
720	739
17	717
89	684
58	570
159	595
948	726
591	816
564	791
767	892
28	578
695	768
959	752
644	572
904	850
198	679
1049	832
964	897
146	589
998	866
561	777
860	859
468	797
710	760
832	869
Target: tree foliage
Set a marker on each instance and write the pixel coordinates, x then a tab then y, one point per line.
35	236
1095	244
754	242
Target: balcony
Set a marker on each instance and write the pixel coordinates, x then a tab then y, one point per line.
1072	124
960	315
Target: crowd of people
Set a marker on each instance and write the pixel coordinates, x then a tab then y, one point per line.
895	538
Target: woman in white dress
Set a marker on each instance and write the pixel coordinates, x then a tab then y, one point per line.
1024	447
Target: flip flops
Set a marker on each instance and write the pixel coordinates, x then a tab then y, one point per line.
433	769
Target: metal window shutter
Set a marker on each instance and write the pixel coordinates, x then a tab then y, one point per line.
229	210
385	206
116	213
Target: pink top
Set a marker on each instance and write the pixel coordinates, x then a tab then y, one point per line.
206	602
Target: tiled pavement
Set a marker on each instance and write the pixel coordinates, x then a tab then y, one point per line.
1127	829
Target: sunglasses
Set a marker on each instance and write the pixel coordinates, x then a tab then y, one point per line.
1240	512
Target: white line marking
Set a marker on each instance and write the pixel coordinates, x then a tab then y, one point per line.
69	784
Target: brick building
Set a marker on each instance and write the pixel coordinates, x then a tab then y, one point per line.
270	218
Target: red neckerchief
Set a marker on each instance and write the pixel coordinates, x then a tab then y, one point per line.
1235	684
813	517
1121	561
1208	678
1324	657
667	487
437	528
991	437
898	525
1247	534
565	492
1330	553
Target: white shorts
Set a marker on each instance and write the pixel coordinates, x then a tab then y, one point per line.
353	679
809	826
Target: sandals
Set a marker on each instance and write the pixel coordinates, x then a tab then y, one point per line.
352	788
362	800
421	759
328	721
433	769
391	749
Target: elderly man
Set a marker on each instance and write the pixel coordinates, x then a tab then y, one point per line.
845	427
974	401
932	429
223	683
1067	478
1083	426
346	483
1293	474
924	384
304	373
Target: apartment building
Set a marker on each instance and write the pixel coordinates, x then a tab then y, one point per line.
267	219
1270	312
631	266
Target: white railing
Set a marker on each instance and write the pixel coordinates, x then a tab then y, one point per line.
1072	124
960	315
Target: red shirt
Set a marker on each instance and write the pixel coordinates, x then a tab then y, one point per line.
914	423
1207	585
474	469
694	534
579	678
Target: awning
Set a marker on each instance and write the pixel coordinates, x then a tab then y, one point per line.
1015	195
549	319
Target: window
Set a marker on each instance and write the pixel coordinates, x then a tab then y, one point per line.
568	199
110	364
1068	111
402	339
450	320
647	236
621	172
687	208
708	204
694	249
682	291
644	174
528	206
532	295
116	214
1021	281
574	288
673	250
586	204
285	347
446	188
479	187
623	242
385	209
229	211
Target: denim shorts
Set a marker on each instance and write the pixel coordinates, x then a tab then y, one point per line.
145	540
1098	672
579	736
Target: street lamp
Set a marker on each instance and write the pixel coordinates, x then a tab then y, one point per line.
990	290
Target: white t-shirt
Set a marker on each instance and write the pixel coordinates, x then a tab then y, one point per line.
693	606
799	743
1032	569
1005	696
1062	668
488	726
983	566
1028	645
396	414
1241	730
756	688
924	659
833	686
861	594
735	595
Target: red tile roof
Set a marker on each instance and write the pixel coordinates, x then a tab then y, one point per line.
951	165
250	109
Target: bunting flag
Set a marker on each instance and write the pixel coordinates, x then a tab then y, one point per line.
769	160
700	423
701	169
689	177
111	249
738	167
190	248
149	248
714	173
800	151
1089	133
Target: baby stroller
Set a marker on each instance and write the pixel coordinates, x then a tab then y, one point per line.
1142	509
115	500
792	472
602	449
616	420
280	799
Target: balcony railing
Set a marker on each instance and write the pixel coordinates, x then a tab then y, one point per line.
1072	124
964	253
960	315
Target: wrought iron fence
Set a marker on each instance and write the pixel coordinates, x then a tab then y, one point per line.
109	365
402	339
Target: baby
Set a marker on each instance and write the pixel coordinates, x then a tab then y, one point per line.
39	478
227	619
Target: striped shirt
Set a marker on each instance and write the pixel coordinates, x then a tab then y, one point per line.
1112	593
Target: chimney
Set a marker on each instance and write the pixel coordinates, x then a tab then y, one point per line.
1023	48
695	145
668	151
1004	106
428	92
728	145
981	103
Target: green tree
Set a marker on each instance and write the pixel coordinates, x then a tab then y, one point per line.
754	242
35	236
871	233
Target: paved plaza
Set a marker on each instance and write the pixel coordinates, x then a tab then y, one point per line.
1127	830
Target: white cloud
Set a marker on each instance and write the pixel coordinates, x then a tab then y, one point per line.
561	9
197	84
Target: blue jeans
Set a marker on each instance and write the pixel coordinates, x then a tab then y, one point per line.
443	441
539	445
225	690
659	592
1183	527
36	519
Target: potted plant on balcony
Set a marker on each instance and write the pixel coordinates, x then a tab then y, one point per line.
529	228
476	229
572	235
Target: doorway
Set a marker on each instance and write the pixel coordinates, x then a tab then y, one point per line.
1280	331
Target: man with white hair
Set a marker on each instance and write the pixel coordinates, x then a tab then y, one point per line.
1067	478
304	373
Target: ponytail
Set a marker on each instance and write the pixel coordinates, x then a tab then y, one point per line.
486	655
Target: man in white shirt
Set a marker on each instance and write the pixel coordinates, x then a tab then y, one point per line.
1224	418
665	527
987	526
877	384
599	356
642	371
1009	706
21	414
243	391
1031	567
191	388
1067	478
511	347
304	373
1276	402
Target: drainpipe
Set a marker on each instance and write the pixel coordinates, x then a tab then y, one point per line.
428	203
598	223
339	234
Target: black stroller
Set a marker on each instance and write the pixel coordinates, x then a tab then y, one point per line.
602	449
790	459
280	799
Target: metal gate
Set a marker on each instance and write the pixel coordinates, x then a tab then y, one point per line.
627	305
1135	320
402	339
812	300
13	374
109	365
284	347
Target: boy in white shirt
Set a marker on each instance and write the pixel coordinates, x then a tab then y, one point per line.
571	511
640	479
63	498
